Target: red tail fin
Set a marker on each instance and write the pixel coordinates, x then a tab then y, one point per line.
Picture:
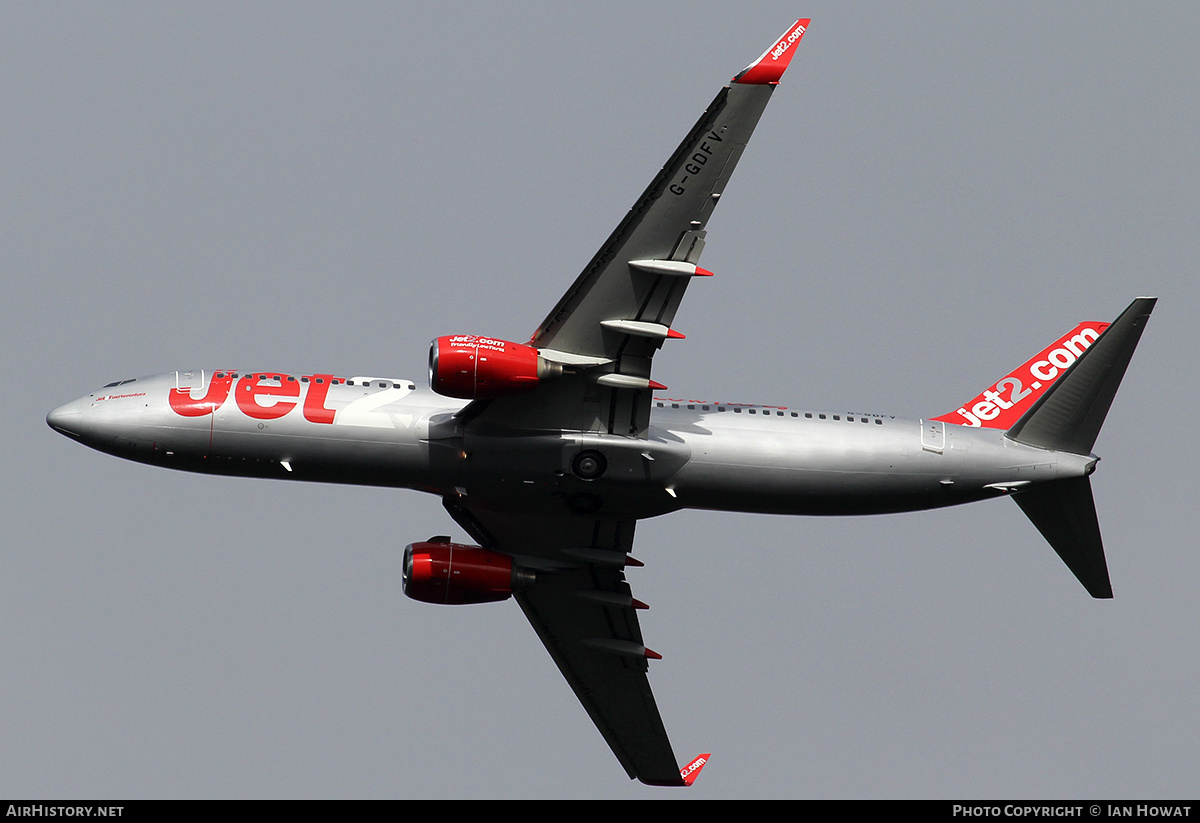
691	771
1001	405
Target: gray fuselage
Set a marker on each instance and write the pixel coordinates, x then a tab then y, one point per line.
387	432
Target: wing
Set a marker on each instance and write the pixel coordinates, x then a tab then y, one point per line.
616	315
583	611
604	332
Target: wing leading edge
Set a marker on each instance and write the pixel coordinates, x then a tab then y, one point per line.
604	331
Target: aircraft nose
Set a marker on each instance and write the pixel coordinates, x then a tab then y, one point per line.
66	418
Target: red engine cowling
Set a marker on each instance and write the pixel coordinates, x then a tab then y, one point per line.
454	574
469	366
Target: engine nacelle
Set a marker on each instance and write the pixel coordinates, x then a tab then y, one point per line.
471	367
454	574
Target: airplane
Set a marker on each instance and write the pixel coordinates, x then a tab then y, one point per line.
547	453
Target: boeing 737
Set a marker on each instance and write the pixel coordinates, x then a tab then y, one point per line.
547	453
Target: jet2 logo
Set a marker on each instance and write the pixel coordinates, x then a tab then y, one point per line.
786	43
270	396
1001	406
474	341
253	390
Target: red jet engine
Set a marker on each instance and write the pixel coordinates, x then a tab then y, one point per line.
471	367
438	571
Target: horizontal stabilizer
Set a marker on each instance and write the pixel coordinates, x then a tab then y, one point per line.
1065	513
1069	415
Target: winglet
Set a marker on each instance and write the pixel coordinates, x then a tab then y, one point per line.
768	68
691	771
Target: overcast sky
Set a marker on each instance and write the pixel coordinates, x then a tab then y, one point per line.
936	191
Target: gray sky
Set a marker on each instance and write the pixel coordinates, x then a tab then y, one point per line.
935	192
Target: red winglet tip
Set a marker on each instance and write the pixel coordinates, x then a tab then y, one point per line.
653	655
674	335
691	771
637	604
657	386
768	68
633	561
703	272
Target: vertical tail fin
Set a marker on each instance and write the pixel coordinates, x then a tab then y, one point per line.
1068	416
1001	405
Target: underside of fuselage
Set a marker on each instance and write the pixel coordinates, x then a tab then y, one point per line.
730	457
